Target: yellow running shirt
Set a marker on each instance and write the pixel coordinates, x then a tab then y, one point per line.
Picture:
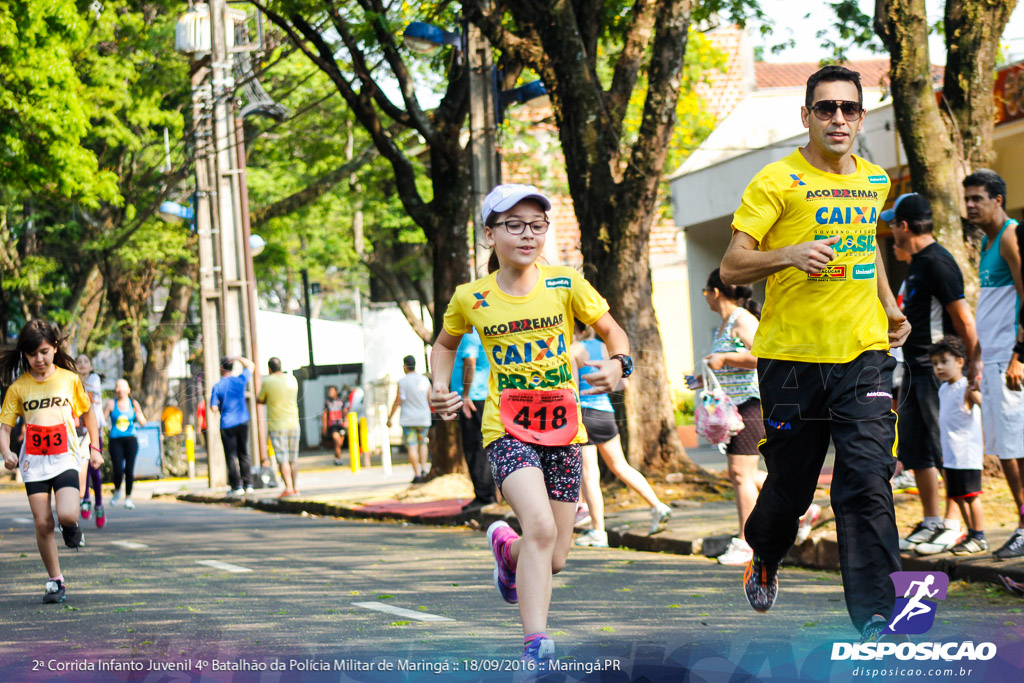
526	338
49	408
835	315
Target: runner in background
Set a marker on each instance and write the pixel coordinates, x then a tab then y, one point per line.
91	476
45	390
599	420
332	422
532	429
123	413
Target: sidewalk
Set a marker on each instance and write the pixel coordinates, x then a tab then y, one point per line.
695	528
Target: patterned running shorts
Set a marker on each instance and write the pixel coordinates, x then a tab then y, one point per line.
562	465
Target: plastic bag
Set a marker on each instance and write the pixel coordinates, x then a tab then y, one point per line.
716	417
263	478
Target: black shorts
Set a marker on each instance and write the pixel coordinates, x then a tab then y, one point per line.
64	480
336	429
918	411
963	484
601	426
747	441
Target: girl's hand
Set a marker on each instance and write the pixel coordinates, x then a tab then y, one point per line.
96	460
10	460
607	377
444	402
716	361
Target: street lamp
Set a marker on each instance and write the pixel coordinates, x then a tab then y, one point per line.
424	38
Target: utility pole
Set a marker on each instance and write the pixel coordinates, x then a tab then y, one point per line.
482	133
224	269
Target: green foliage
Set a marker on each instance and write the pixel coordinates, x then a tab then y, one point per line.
43	113
683	406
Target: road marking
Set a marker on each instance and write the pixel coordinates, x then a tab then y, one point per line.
401	612
130	545
22	520
217	564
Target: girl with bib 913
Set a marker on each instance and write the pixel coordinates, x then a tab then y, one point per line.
48	395
532	429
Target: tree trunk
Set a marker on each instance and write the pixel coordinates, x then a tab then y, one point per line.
85	311
161	342
944	143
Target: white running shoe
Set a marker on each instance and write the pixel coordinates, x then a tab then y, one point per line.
942	539
592	538
807	523
128	504
922	533
116	499
738	553
659	514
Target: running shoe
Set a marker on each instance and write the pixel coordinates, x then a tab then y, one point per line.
54	592
101	517
904	482
921	533
942	540
85	508
538	655
970	546
1014	547
738	553
128	504
761	584
74	537
498	534
592	538
873	630
582	516
249	489
236	492
116	499
807	523
659	514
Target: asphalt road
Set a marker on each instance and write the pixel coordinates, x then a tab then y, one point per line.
176	583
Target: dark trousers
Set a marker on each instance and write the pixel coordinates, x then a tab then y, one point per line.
123	450
236	452
803	405
476	459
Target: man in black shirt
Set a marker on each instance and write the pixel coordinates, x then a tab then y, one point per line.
934	304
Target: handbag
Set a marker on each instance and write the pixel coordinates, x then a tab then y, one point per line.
716	417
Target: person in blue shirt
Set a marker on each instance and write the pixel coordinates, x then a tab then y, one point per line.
469	377
228	398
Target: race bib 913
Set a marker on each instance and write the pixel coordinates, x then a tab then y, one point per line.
52	440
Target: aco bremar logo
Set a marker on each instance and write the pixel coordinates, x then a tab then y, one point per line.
917	599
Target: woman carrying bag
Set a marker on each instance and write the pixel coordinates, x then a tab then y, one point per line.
736	371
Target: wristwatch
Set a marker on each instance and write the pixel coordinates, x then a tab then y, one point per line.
627	363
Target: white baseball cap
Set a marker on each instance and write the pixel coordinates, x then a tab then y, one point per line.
504	197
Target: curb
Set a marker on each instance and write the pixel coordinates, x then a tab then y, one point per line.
814	553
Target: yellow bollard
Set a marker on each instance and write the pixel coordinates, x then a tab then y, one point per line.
353	441
362	435
190	451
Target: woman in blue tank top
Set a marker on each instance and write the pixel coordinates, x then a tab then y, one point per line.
123	413
603	435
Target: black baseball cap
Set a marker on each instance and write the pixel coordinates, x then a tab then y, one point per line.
908	207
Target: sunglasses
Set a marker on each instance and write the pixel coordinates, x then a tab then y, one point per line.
826	109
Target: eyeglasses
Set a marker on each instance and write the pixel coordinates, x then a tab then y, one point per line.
826	109
519	227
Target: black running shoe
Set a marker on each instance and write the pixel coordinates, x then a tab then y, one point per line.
54	592
73	537
761	584
872	631
1014	547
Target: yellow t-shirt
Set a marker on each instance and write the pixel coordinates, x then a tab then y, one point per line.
281	394
53	403
835	315
526	338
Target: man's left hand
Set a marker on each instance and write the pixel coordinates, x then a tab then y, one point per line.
899	328
1015	374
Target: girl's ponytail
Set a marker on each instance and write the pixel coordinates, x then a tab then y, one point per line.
492	262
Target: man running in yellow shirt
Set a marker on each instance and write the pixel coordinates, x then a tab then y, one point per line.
807	224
